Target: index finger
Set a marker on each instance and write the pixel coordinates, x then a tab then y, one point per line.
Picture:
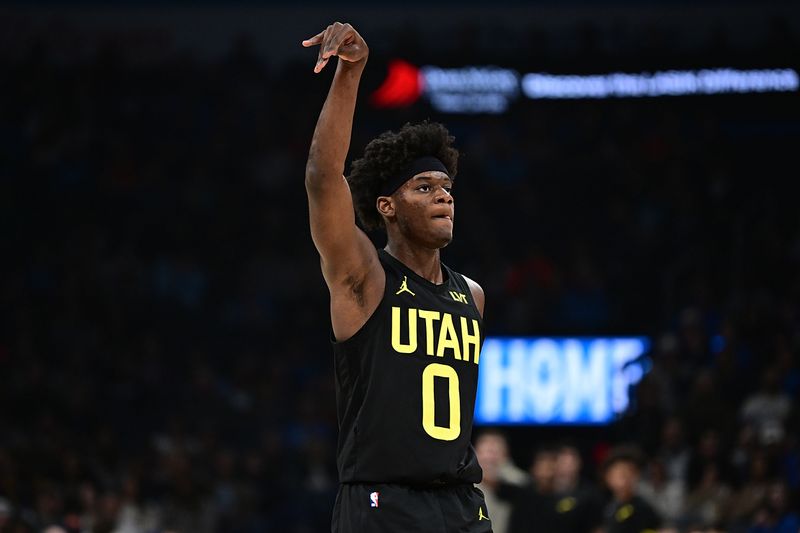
311	41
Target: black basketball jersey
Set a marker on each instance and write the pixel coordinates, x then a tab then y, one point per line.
406	383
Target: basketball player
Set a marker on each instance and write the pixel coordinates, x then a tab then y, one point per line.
407	329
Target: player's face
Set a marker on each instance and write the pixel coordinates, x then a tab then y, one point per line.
425	210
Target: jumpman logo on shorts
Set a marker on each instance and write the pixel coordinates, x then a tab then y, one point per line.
404	287
481	516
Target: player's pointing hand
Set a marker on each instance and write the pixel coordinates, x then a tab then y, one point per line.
341	40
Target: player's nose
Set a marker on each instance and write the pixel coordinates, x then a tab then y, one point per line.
443	197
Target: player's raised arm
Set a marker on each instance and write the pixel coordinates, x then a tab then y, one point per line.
347	253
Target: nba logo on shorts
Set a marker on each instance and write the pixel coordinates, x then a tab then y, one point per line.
373	499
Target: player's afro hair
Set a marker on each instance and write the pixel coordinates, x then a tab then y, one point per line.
390	153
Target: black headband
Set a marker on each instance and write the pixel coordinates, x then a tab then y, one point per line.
417	166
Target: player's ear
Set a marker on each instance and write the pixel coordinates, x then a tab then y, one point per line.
385	206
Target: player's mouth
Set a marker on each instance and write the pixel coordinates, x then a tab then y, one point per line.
445	217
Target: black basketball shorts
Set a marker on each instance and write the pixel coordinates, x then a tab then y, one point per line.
389	508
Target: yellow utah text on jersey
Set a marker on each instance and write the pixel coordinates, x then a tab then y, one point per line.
441	334
482	516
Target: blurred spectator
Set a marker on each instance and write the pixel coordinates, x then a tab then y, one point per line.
674	453
578	504
744	450
5	514
774	516
705	407
666	371
707	500
747	499
665	495
767	409
707	454
136	514
627	512
709	492
533	505
491	448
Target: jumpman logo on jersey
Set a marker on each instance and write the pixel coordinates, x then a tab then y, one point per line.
404	287
481	516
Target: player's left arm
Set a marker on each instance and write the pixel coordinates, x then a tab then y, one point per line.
477	294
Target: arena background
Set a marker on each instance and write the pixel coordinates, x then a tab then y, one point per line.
164	355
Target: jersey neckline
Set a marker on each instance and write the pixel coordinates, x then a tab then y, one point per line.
446	274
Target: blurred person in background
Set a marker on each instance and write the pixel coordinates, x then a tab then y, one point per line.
400	469
705	406
673	452
627	512
533	505
136	514
774	514
665	495
491	448
189	505
744	449
767	409
750	496
707	452
5	514
578	504
666	368
707	500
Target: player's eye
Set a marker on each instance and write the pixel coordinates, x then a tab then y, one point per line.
424	188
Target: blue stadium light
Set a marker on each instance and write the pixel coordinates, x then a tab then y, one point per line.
557	381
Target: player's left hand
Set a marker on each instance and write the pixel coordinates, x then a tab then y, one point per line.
341	40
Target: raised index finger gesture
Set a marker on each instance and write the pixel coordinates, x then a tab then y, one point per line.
341	40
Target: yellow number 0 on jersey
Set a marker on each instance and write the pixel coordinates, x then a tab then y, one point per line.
453	430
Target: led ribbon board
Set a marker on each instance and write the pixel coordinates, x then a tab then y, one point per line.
492	89
669	83
559	381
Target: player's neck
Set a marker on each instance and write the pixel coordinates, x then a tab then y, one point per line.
424	261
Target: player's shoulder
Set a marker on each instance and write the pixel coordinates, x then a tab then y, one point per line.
477	293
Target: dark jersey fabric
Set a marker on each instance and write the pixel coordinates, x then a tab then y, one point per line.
406	384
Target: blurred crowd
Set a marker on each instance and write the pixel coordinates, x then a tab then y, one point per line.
164	354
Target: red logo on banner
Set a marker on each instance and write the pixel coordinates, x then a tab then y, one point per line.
401	88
